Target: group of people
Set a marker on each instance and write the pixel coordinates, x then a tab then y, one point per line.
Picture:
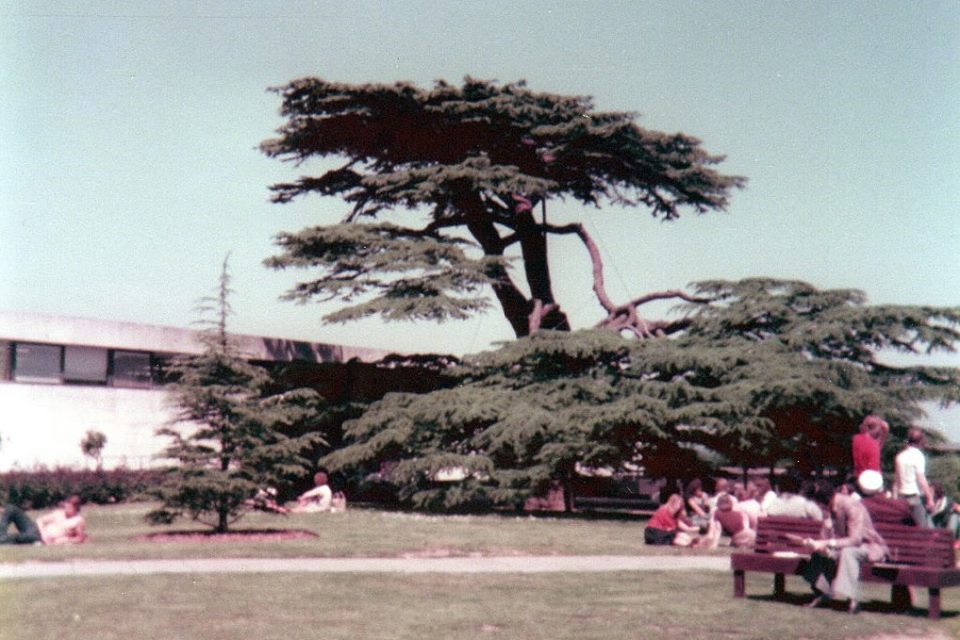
700	519
319	499
848	512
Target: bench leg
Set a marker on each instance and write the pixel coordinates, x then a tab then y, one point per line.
934	607
900	597
779	585
739	584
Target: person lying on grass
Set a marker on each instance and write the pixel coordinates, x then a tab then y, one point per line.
63	525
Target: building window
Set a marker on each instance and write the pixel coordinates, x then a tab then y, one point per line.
85	364
131	369
37	363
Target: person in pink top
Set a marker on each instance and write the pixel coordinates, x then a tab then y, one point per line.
867	444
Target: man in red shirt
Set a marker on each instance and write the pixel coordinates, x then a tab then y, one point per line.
867	444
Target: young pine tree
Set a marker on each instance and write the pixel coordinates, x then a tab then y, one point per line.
230	438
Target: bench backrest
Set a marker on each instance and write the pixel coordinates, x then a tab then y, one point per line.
773	532
908	545
913	545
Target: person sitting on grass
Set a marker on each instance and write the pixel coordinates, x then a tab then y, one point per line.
316	500
266	500
733	523
721	487
63	525
748	503
791	503
697	503
669	525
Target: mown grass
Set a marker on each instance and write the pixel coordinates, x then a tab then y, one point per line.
114	531
662	605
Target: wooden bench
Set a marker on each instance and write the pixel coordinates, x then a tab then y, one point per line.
918	558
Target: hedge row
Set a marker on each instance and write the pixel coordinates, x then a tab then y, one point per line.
41	488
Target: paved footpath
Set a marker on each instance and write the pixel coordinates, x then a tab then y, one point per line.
469	564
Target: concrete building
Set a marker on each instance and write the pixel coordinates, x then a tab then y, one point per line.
62	376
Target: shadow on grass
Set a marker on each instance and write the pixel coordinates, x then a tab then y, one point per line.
592	515
868	606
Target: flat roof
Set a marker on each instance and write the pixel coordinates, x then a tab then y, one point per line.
19	326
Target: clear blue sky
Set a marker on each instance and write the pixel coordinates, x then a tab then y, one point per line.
129	168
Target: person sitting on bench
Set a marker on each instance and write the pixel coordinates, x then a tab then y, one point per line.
849	540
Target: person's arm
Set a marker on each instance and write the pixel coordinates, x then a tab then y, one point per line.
77	532
309	495
925	488
687	528
48	518
692	503
896	480
884	432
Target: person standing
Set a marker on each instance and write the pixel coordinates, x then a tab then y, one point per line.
867	445
910	478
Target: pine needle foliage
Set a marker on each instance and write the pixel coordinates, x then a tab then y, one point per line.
233	434
768	372
471	161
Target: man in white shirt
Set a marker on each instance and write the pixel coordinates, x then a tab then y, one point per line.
64	525
910	479
316	500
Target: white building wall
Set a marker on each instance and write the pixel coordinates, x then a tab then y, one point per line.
43	424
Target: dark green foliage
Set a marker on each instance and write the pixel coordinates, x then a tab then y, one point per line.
768	372
234	436
945	469
42	488
476	160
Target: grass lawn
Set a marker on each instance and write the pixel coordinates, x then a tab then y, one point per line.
358	532
666	606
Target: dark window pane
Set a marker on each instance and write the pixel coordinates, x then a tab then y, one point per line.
37	363
85	364
131	369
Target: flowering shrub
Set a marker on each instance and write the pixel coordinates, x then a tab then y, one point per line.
42	487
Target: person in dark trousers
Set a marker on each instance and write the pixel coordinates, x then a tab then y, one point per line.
63	525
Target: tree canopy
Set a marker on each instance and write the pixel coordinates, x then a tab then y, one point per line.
764	372
473	163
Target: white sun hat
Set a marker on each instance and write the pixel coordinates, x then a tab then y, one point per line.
870	482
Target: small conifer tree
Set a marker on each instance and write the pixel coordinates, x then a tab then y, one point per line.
92	446
230	437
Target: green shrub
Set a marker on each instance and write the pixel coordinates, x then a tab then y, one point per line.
42	487
945	469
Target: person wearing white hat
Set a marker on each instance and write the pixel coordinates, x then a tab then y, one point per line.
879	506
